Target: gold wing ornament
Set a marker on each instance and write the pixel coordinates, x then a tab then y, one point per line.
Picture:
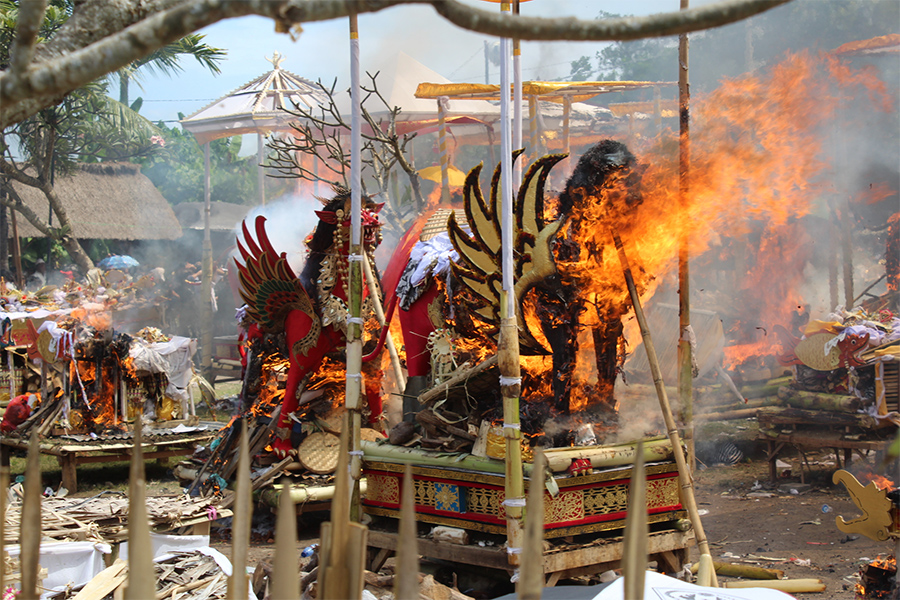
479	268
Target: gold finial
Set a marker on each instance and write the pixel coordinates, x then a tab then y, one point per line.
276	60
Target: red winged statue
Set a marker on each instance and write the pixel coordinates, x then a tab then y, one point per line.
310	309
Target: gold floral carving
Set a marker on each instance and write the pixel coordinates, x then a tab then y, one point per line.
383	488
567	506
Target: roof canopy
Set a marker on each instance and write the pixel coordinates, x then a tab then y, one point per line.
548	91
256	107
113	201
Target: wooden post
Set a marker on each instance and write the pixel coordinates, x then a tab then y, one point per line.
141	577
531	572
685	352
30	525
634	559
206	316
243	514
285	579
406	581
707	573
4	485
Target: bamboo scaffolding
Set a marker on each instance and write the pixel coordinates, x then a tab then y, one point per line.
707	574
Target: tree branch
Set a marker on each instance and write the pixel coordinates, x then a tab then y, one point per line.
31	15
24	93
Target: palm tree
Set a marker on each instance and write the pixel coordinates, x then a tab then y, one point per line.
166	61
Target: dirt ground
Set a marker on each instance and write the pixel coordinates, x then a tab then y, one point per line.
747	520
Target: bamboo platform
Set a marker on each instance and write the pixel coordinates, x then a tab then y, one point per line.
74	450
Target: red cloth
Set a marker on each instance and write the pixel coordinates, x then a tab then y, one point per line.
16	413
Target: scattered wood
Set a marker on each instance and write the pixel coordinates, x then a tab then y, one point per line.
104	517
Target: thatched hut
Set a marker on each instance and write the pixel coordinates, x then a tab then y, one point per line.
112	201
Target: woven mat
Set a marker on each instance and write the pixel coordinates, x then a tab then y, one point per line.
319	452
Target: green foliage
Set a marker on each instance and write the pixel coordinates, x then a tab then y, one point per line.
58	12
177	170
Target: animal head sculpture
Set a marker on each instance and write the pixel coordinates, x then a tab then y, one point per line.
335	220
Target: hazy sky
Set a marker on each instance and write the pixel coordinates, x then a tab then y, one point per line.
322	50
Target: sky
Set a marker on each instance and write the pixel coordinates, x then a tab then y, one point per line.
322	50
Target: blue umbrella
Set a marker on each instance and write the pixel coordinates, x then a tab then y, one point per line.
118	261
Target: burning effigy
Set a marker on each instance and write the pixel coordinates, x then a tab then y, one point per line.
80	383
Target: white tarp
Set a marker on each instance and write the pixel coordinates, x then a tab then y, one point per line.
661	587
68	563
172	358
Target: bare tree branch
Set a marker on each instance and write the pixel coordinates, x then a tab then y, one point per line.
24	93
31	15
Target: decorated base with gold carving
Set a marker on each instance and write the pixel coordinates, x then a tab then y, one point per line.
474	500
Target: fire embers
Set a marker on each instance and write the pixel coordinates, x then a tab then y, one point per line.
877	579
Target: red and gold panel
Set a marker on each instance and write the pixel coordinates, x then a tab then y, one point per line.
474	500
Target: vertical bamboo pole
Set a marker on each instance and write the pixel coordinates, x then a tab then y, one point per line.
634	559
567	110
442	103
206	316
379	314
141	578
4	485
238	583
406	579
334	572
685	352
707	575
533	128
355	259
260	159
30	544
531	572
508	347
285	579
517	102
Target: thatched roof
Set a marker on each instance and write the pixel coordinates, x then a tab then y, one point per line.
112	201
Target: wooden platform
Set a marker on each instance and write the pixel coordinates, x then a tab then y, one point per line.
818	429
72	451
668	548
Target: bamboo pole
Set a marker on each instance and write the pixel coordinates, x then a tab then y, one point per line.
206	315
4	485
406	581
442	103
141	578
508	346
790	586
634	559
379	313
30	553
334	572
240	524
745	571
285	578
530	585
707	575
352	397
685	352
